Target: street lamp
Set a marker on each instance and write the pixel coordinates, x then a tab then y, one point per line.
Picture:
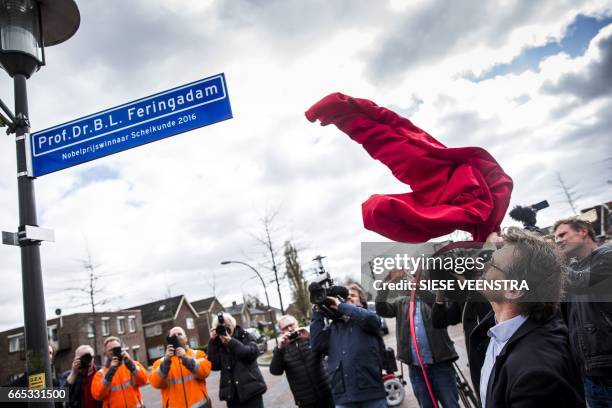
26	27
265	291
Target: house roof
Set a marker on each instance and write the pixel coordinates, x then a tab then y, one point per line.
235	308
203	305
161	309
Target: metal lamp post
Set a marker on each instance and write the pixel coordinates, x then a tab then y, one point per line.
26	27
265	291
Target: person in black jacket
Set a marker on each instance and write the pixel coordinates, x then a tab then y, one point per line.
79	378
235	355
306	372
519	353
588	310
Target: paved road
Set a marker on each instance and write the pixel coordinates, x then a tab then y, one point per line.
279	395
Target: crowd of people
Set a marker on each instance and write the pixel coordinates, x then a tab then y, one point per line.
548	346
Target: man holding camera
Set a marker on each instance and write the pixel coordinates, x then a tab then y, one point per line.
305	369
181	373
118	383
588	307
79	379
519	353
354	348
234	352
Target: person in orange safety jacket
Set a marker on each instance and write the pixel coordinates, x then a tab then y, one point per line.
181	373
118	383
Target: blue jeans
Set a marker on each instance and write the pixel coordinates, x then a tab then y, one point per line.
597	395
442	379
380	403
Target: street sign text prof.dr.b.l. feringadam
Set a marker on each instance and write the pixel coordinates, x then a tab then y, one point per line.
130	125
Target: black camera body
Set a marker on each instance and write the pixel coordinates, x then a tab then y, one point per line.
86	360
117	353
174	341
221	328
293	336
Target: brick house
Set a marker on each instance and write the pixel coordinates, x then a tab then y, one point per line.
207	309
160	316
68	332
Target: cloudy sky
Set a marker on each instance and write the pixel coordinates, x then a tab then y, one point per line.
529	81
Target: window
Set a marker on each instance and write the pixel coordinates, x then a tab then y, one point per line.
90	329
156	352
131	324
16	343
105	326
189	323
120	324
136	353
193	342
152	331
52	333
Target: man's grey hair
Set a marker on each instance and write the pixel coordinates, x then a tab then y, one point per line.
287	318
83	347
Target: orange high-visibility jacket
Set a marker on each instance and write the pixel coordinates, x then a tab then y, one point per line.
123	390
182	387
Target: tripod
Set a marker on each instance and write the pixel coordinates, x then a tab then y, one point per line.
466	394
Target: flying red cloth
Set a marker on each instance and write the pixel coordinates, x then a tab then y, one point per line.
452	188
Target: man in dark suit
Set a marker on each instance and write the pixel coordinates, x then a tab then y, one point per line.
519	353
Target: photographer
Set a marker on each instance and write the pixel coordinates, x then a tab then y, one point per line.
118	383
305	369
435	346
181	373
234	352
588	309
354	346
79	379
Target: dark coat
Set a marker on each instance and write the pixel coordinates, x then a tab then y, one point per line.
534	369
588	311
354	349
442	348
241	379
75	390
306	372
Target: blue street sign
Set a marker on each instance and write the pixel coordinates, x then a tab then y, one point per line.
130	125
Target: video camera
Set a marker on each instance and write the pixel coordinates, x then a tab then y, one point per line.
324	288
527	215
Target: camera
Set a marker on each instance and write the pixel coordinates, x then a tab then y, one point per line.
86	360
174	341
527	215
294	335
221	328
117	353
324	288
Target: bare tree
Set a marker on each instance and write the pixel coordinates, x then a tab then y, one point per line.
272	253
569	191
212	282
91	293
299	285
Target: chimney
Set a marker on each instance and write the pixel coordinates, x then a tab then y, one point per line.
233	303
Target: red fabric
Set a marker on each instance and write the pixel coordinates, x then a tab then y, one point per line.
88	399
452	188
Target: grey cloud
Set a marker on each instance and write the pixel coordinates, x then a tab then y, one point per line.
595	81
297	23
444	28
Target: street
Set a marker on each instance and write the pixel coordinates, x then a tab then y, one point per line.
279	395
